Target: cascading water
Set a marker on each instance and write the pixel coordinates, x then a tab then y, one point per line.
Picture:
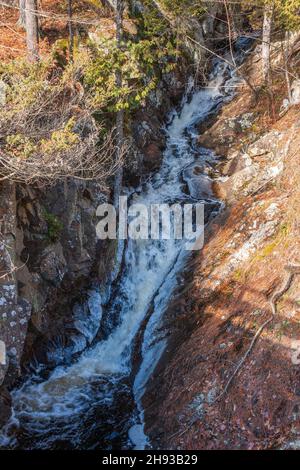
95	402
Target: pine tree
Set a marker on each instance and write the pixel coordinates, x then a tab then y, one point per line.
120	113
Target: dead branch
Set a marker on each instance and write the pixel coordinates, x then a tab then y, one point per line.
90	157
86	161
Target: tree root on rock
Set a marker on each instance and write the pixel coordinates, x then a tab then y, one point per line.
292	271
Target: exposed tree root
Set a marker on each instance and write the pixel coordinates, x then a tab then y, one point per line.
292	272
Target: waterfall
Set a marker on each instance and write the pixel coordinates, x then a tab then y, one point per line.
95	402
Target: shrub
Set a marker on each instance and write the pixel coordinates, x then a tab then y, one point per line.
55	226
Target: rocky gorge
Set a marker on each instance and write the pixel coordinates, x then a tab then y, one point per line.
112	345
51	249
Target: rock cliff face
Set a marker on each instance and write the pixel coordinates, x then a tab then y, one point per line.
60	258
50	257
14	310
147	130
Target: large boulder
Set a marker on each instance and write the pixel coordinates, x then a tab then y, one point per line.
235	184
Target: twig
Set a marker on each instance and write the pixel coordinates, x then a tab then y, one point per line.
235	68
180	433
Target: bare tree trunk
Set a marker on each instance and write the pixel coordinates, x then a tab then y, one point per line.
266	41
71	32
230	32
120	114
32	30
234	13
286	64
22	15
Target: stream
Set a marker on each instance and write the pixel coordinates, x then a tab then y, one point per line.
96	402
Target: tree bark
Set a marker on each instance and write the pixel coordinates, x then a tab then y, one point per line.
230	25
120	114
286	49
32	33
71	32
266	41
22	14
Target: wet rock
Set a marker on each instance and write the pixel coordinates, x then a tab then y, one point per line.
152	157
78	332
149	138
148	134
5	406
211	209
59	349
175	83
87	315
53	275
199	184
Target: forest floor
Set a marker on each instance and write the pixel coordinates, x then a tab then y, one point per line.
53	24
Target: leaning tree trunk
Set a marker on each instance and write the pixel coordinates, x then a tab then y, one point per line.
266	41
32	33
286	54
71	31
120	114
22	14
